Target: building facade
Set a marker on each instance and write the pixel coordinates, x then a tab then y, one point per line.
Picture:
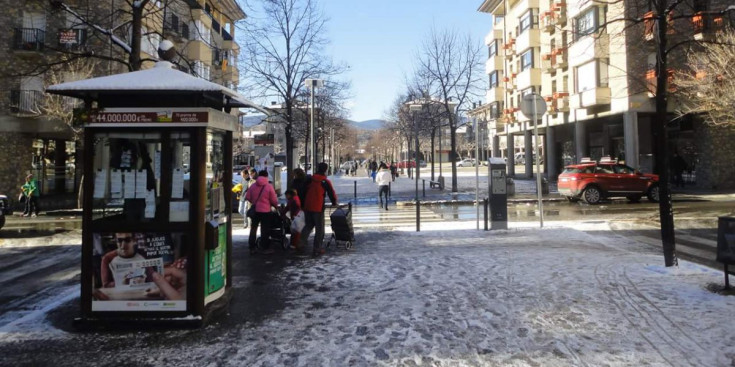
596	74
50	44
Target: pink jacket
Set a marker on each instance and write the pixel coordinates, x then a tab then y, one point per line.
266	200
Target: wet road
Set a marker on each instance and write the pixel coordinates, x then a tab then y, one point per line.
39	257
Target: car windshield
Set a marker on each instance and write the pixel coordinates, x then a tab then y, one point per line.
623	169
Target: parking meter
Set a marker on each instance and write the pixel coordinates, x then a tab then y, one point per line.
498	194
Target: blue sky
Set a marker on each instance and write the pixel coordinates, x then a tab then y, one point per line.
379	39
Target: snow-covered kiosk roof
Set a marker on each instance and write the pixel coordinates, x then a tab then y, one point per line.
160	86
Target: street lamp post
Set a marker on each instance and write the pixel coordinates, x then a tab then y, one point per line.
414	108
312	84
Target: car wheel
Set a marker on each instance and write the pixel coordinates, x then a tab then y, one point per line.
2	220
572	199
653	194
592	195
634	198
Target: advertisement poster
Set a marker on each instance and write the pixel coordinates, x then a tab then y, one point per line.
216	269
139	272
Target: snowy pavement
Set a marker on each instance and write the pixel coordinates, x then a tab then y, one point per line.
571	294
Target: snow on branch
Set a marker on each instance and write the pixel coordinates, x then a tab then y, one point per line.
116	40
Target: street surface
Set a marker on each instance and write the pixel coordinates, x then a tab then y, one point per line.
588	289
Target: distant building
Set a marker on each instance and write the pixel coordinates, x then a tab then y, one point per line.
596	83
41	35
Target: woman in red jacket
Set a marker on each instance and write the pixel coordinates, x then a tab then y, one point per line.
262	195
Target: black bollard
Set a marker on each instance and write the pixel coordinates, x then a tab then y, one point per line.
424	187
390	190
355	191
485	205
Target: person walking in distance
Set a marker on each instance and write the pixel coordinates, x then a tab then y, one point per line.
679	165
248	179
393	171
30	190
316	189
262	195
373	169
383	178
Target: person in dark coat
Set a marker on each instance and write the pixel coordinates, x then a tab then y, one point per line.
318	186
679	165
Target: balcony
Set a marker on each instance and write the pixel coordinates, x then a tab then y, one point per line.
199	51
26	102
495	34
529	38
590	98
176	29
493	63
594	46
559	55
496	94
561	101
528	78
29	39
548	62
705	25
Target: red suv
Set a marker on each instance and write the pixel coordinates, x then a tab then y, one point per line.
594	182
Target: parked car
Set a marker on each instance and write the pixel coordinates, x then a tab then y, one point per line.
520	158
593	182
422	164
4	209
406	164
468	162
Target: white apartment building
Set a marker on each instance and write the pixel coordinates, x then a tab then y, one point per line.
595	74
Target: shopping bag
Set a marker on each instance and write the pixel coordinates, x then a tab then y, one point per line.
298	222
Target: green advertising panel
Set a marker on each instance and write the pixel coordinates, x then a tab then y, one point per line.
216	268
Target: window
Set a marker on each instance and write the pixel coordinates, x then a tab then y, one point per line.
492	49
623	169
527	60
201	70
586	23
149	42
586	76
526	21
495	109
201	32
494	79
604	169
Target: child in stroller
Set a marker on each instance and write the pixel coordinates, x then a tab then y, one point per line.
278	230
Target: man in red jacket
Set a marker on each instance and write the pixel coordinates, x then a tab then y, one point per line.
316	188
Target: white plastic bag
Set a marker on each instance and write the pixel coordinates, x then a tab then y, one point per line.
298	222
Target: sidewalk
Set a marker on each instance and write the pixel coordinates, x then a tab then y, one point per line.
570	294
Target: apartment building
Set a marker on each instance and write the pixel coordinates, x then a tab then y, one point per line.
596	74
50	44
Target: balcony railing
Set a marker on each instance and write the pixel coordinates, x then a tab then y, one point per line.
652	81
25	101
29	39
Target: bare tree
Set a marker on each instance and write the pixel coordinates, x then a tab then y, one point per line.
285	47
453	64
708	89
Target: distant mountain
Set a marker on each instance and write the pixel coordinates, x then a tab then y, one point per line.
374	124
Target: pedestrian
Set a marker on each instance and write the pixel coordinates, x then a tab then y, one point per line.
318	186
393	171
299	183
373	169
293	208
679	165
262	196
30	191
383	179
247	180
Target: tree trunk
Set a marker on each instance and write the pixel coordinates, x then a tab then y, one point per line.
137	27
666	213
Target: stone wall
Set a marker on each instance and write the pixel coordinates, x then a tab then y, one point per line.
716	165
13	165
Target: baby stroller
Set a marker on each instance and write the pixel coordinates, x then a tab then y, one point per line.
280	227
342	231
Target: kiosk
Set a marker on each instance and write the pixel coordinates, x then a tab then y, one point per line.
157	234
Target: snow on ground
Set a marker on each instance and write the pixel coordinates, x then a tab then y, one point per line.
453	296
